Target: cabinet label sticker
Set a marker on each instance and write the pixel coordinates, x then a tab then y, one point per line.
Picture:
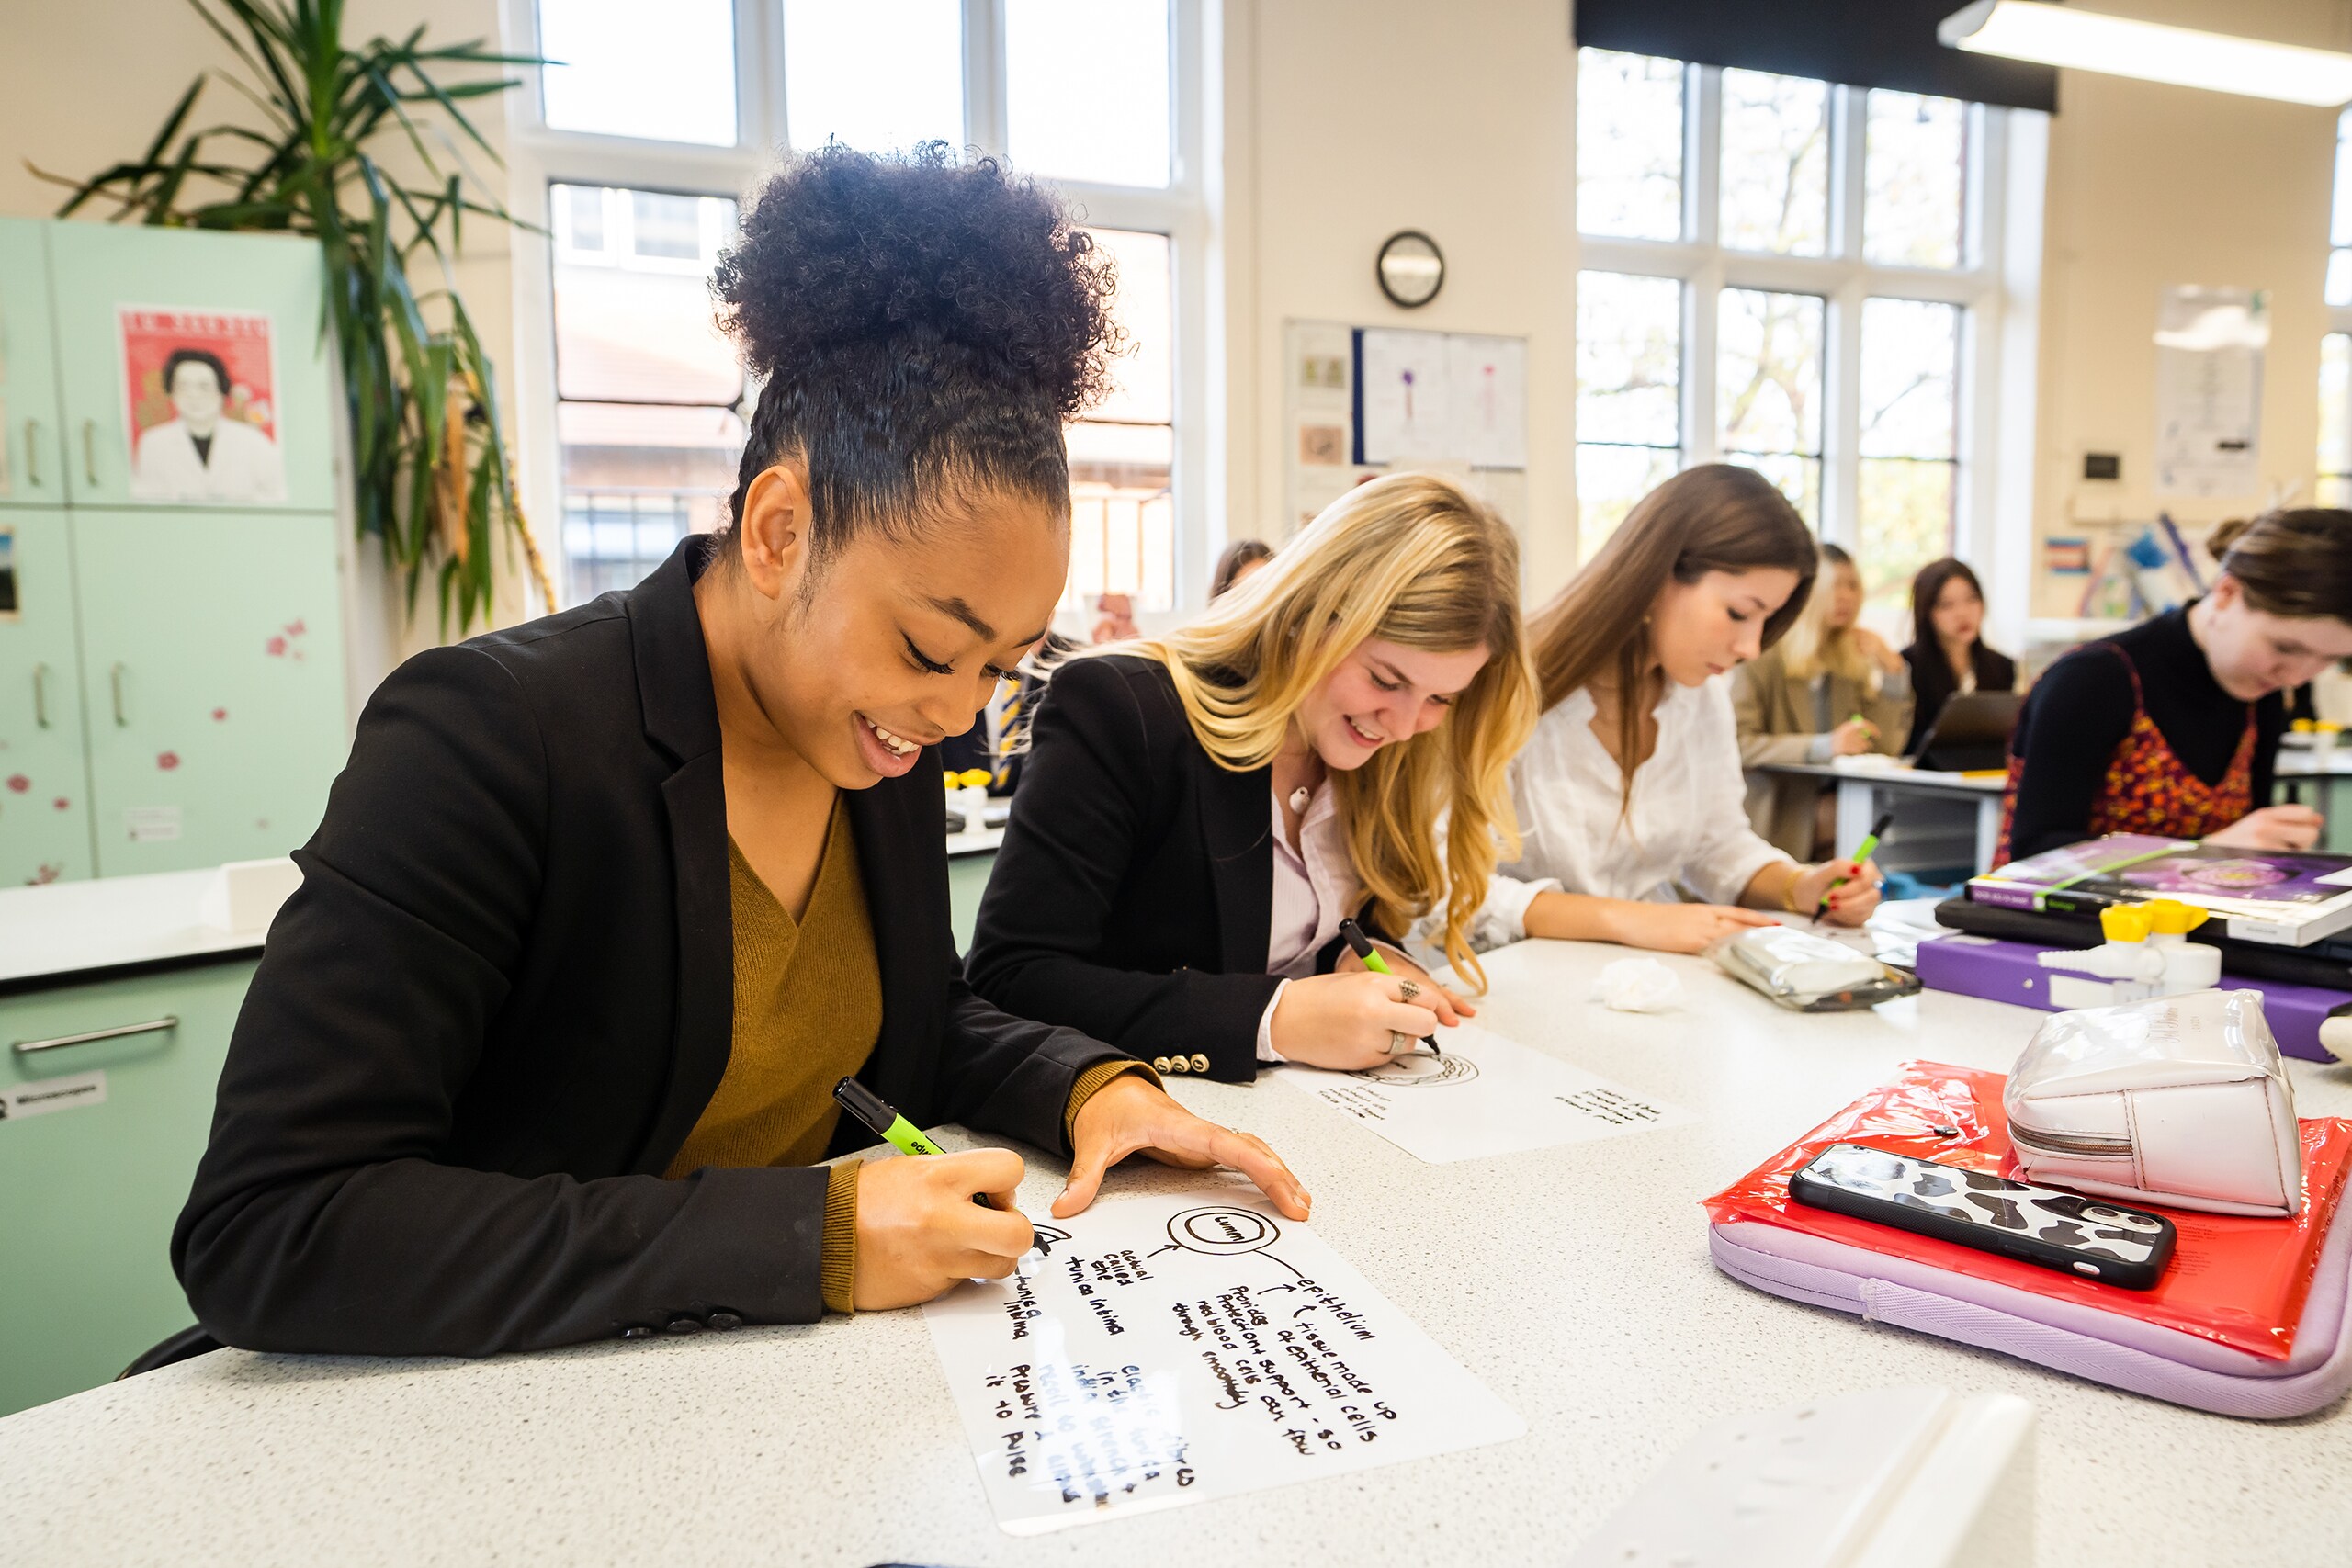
153	824
53	1094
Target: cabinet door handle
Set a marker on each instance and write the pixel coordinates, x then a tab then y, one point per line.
41	696
58	1042
32	453
90	452
114	679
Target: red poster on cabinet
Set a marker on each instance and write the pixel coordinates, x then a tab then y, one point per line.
202	415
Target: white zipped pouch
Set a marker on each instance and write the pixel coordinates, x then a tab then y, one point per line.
2179	1101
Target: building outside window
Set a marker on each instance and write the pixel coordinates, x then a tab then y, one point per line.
1790	275
640	146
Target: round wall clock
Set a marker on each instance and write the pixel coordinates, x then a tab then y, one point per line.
1411	268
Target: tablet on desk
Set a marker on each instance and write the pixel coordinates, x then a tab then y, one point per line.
1971	733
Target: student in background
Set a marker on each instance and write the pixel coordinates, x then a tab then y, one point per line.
1948	653
1240	558
541	1050
2173	728
1830	688
998	738
1630	789
1200	811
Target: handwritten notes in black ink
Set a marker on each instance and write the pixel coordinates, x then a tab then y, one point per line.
1155	1351
1486	1096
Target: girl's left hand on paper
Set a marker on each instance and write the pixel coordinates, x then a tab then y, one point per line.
1850	901
1132	1115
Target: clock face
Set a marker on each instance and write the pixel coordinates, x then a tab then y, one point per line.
1411	268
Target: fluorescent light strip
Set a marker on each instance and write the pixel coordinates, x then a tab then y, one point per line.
2119	46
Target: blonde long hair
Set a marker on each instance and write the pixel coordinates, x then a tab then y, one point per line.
1419	561
1813	647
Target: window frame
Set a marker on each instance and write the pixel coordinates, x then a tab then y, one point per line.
539	157
1844	278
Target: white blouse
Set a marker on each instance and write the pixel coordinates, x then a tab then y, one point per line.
1686	825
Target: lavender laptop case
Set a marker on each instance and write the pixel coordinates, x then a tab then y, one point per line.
2103	1346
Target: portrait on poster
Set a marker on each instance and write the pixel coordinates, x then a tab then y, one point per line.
200	387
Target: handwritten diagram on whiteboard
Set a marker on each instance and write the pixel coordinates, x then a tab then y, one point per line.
1486	1096
1157	1351
1441	397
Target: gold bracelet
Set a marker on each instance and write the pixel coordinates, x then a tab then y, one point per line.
1789	890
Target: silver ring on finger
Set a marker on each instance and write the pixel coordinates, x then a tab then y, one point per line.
1400	1042
1408	990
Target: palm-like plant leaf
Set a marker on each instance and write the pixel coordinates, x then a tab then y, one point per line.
308	165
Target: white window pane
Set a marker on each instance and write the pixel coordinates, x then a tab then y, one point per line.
1144	376
1086	89
877	75
1629	359
581	210
1767	372
1628	144
1609	480
2339	226
2339	278
634	324
1905	522
1910	362
1914	174
2335	404
636	480
1775	164
620	76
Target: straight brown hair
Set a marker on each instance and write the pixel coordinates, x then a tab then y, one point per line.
1713	517
2295	562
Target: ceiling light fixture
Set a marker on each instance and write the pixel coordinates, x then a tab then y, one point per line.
2119	46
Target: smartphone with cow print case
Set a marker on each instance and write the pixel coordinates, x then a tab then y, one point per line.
2065	1231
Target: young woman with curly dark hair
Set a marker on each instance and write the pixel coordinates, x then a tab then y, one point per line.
604	904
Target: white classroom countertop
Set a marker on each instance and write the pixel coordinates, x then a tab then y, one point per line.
69	929
1574	1283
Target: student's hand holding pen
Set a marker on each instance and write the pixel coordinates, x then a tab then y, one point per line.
1132	1115
1344	1019
1850	888
1853	737
918	1232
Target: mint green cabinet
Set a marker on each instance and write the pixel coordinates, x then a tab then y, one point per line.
44	773
32	449
216	718
125	297
89	1194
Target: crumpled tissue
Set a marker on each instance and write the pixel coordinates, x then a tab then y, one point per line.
1637	984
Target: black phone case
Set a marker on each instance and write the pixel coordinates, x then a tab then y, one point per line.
2085	1238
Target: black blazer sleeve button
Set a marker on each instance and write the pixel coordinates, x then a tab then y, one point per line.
685	1325
637	1331
724	1320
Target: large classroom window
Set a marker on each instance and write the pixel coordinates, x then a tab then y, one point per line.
1782	273
643	140
2334	486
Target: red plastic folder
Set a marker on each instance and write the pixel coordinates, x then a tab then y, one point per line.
2236	1281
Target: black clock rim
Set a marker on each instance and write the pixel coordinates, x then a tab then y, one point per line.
1380	275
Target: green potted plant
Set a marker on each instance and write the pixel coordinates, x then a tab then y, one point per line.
431	480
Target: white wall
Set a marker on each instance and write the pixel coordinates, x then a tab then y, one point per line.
2152	186
1350	120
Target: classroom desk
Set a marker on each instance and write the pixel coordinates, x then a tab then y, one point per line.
1575	1283
1862	796
2327	777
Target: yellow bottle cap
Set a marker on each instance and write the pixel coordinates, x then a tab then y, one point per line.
2124	922
2301	727
2170	917
972	778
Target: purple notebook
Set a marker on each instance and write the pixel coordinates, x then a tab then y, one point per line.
2274	896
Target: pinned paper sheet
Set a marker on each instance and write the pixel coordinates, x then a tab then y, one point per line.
1486	1096
1156	1351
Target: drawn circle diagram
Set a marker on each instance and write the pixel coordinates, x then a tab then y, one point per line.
1222	1233
1421	1071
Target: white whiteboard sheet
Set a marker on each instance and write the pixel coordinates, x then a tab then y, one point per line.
1486	1096
1156	1351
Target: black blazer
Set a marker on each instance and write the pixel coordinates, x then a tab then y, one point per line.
1932	683
504	992
1133	895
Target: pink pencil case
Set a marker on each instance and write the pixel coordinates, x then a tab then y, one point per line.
2084	1341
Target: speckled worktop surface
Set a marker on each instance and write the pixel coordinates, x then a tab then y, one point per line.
1575	1282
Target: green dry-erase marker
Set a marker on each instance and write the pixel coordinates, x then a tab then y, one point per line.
1360	946
888	1125
1862	852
